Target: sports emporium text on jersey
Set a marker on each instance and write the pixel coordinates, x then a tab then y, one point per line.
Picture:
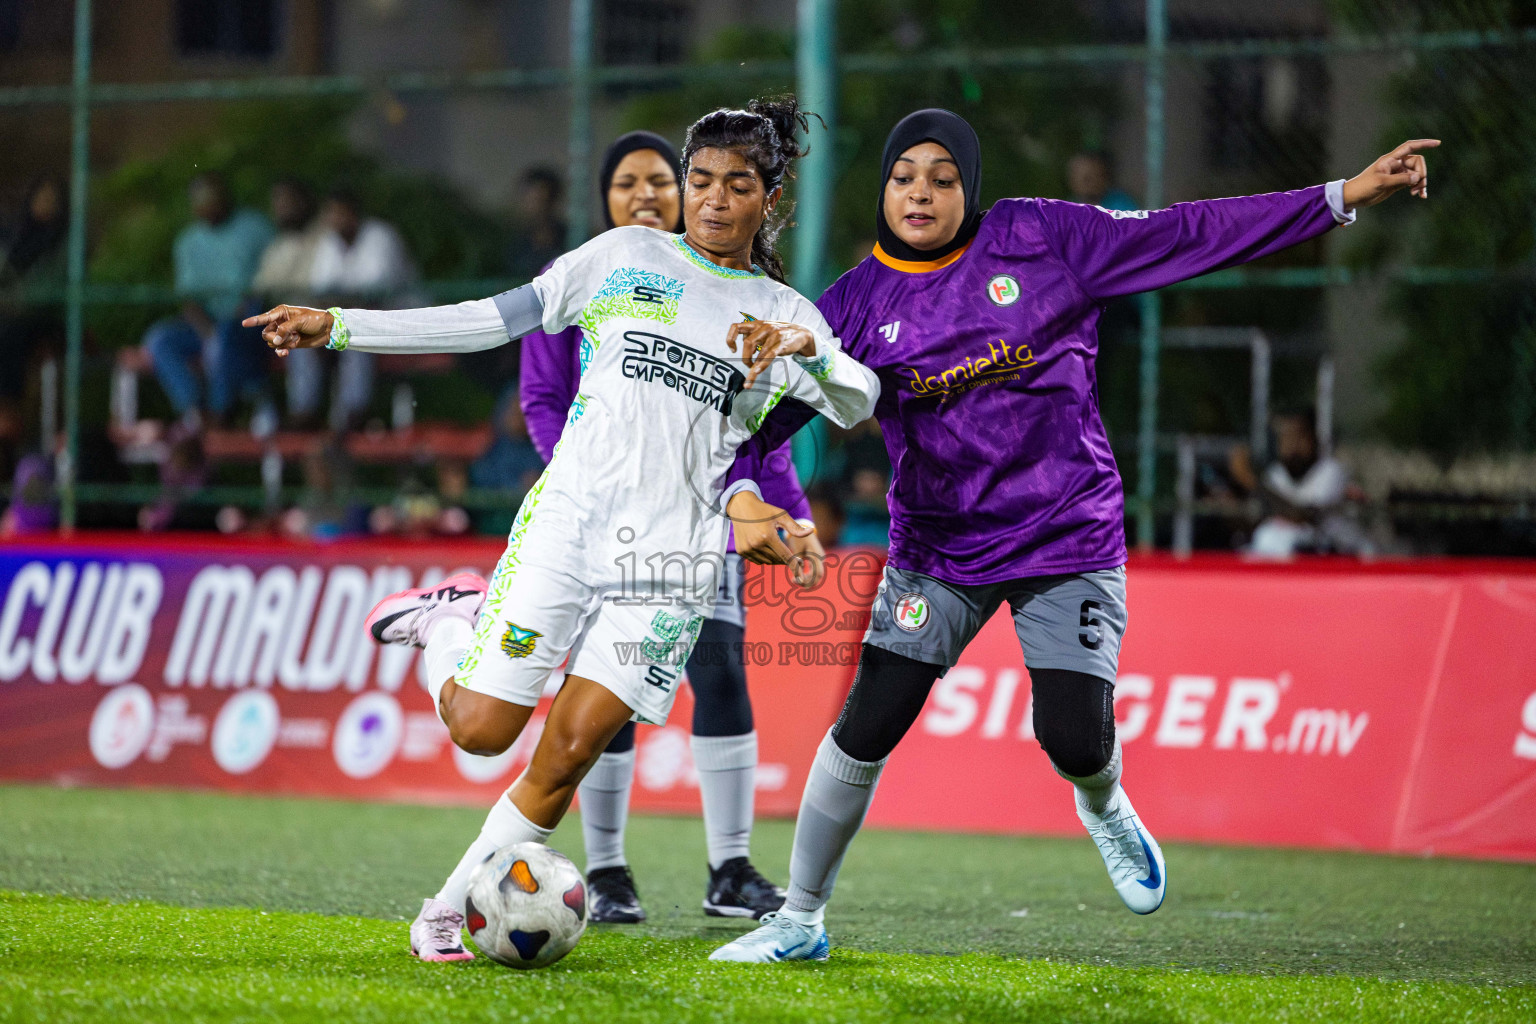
703	378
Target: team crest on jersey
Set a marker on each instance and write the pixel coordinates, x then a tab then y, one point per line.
518	642
912	612
1003	290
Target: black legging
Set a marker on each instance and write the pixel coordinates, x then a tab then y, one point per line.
1074	711
717	672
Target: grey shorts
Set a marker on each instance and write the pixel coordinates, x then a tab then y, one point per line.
1072	622
730	597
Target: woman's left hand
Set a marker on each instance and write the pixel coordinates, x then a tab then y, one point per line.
1402	168
763	341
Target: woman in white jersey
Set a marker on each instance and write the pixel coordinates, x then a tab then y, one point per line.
614	555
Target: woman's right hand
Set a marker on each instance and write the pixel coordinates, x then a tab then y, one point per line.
756	525
284	328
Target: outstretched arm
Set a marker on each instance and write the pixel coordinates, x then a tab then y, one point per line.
466	327
1118	253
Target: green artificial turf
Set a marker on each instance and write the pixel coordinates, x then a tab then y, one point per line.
67	960
925	926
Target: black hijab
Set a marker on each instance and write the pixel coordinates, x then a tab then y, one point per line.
953	133
624	145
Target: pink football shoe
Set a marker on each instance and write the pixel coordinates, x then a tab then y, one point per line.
407	618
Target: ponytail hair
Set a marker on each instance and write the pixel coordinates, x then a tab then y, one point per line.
766	134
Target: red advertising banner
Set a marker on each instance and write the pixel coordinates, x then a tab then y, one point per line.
220	664
1335	705
1327	704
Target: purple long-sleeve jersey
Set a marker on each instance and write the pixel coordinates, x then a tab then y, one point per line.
986	359
550	371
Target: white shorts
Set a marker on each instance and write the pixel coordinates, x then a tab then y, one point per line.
537	622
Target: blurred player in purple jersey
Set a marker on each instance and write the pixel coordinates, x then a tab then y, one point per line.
638	185
982	327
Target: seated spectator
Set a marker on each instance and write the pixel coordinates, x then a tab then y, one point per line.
34	507
32	256
325	510
182	473
1091	180
419	512
204	346
358	261
1306	495
288	260
511	463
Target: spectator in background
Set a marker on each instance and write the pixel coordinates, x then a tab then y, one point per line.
288	260
866	479
285	271
358	261
216	258
1305	492
539	237
325	510
34	507
827	513
32	256
1091	180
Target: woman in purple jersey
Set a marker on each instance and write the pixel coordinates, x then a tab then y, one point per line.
638	184
983	330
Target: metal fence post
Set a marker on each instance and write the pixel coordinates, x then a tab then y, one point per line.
816	86
578	196
1151	304
74	311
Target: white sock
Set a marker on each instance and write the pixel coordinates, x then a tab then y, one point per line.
806	918
449	639
838	793
504	826
1095	792
727	767
605	809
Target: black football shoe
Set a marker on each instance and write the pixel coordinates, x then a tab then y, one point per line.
612	898
737	889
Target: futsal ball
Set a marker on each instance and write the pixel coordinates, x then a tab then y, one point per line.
527	906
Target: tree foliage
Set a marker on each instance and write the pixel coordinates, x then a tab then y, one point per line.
1465	377
1028	122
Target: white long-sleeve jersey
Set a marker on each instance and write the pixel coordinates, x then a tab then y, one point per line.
633	494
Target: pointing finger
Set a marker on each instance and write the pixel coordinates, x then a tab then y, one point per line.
1414	146
262	319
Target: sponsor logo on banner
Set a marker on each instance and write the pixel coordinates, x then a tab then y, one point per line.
367	735
1525	741
245	731
1242	694
912	612
122	726
1192	713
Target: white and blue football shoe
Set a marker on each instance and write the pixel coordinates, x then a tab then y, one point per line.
776	940
1134	860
